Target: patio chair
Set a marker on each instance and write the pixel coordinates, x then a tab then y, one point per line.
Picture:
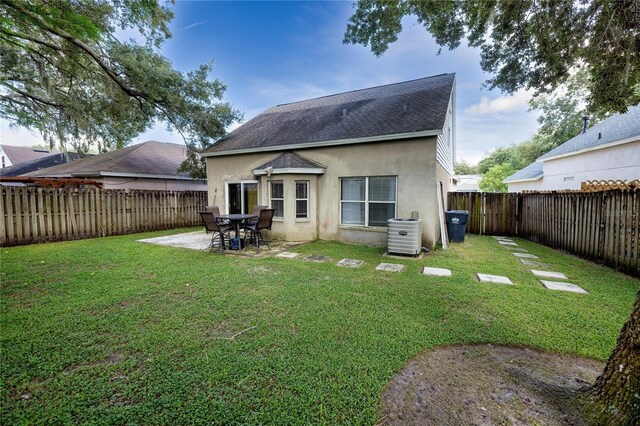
218	228
257	209
252	229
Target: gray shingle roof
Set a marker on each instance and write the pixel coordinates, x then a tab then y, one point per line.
291	160
532	171
148	158
410	106
21	154
38	164
615	128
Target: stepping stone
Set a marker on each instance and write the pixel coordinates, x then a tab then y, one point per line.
389	267
516	249
501	238
288	255
495	279
317	258
526	255
549	274
350	263
436	272
534	263
507	243
554	285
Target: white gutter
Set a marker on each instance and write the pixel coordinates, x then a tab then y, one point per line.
291	170
540	176
325	143
127	175
593	148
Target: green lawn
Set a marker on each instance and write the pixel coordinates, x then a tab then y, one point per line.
111	331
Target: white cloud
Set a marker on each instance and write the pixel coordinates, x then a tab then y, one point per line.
517	102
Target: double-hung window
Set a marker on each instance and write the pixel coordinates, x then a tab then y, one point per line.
302	199
276	196
367	201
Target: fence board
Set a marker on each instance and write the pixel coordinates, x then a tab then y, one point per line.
30	214
602	226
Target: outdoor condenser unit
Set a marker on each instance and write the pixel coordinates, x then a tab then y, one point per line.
404	236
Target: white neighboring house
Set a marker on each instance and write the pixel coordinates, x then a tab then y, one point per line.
610	150
468	183
11	155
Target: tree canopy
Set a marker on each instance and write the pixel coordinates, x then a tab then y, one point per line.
532	44
67	76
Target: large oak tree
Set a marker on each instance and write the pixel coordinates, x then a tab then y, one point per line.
65	74
535	44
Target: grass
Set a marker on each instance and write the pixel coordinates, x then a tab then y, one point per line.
109	330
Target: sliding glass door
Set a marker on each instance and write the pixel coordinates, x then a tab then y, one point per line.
242	197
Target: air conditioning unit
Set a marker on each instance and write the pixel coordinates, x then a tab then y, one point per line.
404	236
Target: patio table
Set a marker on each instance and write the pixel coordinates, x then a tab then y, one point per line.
236	219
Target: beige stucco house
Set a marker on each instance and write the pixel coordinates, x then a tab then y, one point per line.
338	167
610	150
148	165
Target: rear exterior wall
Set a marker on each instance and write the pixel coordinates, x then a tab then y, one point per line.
412	161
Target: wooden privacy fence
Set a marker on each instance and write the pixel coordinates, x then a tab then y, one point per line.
29	215
602	226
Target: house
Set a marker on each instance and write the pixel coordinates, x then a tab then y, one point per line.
338	167
39	164
11	155
149	165
468	183
610	150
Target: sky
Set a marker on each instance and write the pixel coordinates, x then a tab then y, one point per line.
270	53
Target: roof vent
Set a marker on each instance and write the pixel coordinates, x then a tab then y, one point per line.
585	121
599	135
344	112
405	107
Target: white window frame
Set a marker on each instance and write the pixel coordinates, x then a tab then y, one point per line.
306	183
366	200
242	183
271	198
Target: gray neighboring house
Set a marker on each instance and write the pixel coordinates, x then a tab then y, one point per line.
338	167
149	165
11	155
610	150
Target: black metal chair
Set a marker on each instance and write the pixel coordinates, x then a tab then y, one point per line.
252	229
218	228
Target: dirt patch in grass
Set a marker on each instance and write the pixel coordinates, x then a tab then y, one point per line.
487	385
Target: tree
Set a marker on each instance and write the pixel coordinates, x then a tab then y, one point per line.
464	168
66	75
493	179
531	44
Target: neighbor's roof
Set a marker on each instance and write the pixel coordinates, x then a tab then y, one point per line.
290	162
407	109
38	164
532	172
618	127
21	154
148	159
615	128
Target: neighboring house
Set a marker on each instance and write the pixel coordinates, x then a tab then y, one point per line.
148	165
11	155
468	183
610	150
39	164
338	167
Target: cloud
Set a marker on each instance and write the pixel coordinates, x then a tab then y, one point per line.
195	24
515	103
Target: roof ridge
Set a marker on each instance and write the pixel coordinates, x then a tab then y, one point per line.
363	89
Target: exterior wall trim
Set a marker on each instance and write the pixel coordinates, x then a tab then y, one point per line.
526	180
380	138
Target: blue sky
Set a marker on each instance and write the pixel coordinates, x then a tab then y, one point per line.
276	52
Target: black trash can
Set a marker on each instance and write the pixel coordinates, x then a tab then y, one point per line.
457	224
